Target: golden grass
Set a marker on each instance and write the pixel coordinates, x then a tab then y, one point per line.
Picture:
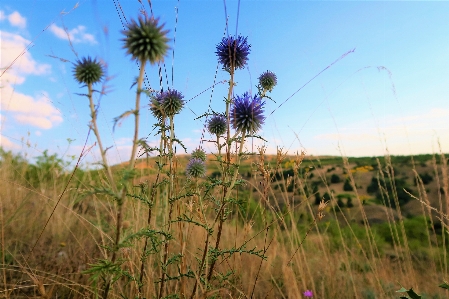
81	226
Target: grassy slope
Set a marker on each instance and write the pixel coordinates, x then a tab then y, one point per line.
337	260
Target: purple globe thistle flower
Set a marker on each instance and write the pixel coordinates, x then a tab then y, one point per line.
199	153
233	52
196	168
88	71
247	113
308	294
167	103
217	125
268	80
145	40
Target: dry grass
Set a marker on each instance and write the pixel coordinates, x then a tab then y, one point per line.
346	265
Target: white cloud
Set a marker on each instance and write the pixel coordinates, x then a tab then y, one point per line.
76	35
7	144
15	19
17	61
36	111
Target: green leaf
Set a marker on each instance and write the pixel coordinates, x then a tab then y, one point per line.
122	117
410	292
413	295
444	285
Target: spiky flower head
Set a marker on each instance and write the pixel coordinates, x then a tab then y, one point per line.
145	40
217	125
196	168
199	153
247	113
88	70
233	52
167	103
268	81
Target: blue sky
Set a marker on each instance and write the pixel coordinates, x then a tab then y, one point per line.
391	93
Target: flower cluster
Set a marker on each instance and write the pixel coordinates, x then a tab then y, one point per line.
247	113
167	104
145	40
233	52
88	71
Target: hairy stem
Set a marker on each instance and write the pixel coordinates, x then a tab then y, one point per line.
153	194
132	161
225	199
94	127
170	197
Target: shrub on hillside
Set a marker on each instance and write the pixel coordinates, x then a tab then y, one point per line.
335	179
347	185
426	178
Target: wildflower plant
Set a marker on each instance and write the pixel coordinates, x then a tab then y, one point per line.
217	125
146	41
88	71
196	168
267	81
308	294
247	114
233	52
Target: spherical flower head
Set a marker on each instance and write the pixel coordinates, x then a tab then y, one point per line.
217	125
145	40
268	81
308	294
247	113
88	71
167	103
196	168
199	153
233	52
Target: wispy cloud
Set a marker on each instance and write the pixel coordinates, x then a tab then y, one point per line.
18	60
15	19
76	35
37	110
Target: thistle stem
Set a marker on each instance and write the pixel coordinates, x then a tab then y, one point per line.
170	196
136	113
121	200
97	135
225	199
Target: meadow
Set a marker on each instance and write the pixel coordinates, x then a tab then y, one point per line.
231	223
273	245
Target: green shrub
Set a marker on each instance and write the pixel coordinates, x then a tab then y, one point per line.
335	179
347	185
426	178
